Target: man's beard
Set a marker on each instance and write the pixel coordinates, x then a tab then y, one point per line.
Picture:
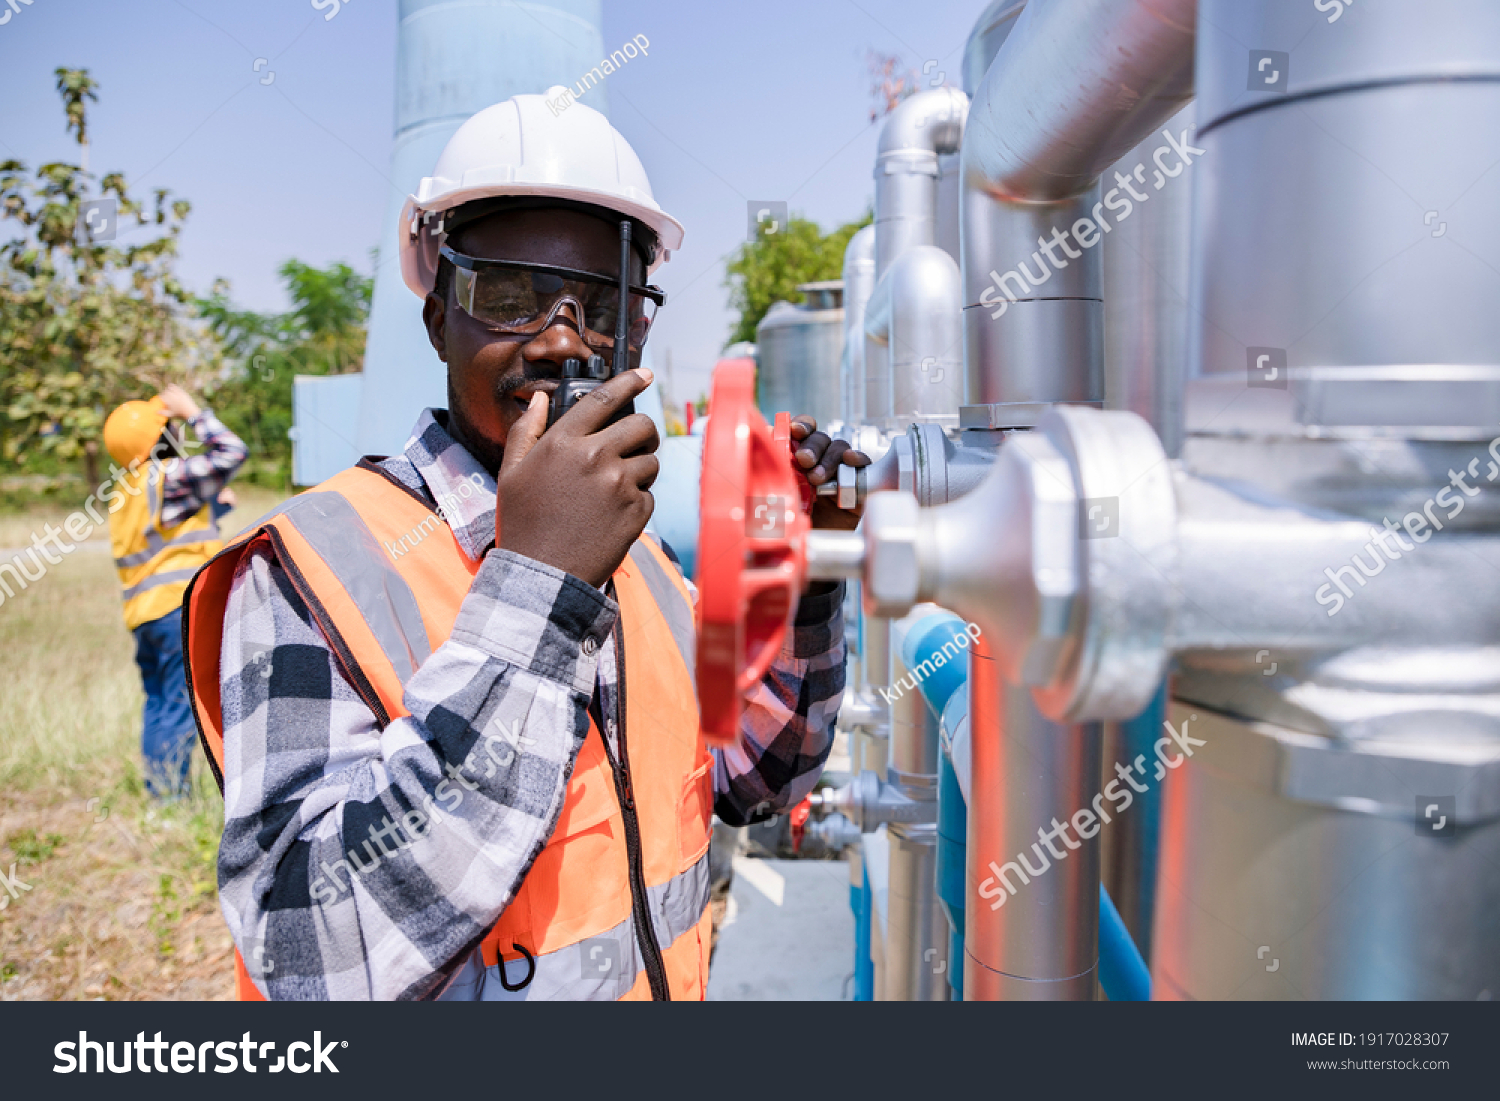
488	454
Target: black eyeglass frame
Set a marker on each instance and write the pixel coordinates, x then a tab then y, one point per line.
478	264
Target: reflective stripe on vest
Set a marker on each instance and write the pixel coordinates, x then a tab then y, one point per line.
341	539
678	615
157	580
601	968
385	614
156	563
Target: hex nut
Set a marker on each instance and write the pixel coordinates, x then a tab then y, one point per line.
892	568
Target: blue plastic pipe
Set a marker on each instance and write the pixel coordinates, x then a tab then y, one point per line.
922	649
1122	970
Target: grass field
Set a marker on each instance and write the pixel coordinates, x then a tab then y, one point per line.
122	901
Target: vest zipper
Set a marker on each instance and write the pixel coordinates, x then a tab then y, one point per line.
645	932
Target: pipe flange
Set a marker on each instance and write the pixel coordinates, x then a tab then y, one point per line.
1127	548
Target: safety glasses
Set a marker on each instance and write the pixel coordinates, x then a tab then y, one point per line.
512	296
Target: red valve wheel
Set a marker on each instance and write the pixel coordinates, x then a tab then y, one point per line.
751	549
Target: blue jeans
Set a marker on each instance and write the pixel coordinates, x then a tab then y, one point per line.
168	731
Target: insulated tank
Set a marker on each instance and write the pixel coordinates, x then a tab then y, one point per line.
799	351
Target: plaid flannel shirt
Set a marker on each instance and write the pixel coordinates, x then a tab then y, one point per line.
192	481
317	901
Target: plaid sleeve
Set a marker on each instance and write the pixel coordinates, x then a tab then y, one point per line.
786	731
365	863
193	481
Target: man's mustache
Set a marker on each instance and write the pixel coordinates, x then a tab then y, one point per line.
536	371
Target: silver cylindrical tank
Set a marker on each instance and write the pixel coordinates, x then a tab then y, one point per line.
799	347
1146	269
1348	224
1344	355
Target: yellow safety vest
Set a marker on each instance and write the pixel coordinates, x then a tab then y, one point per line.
156	563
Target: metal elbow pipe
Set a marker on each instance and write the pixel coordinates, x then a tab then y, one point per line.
1074	86
921	128
914	338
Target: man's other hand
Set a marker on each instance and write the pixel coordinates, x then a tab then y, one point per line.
819	458
577	497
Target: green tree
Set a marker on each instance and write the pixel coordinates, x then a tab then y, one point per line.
770	268
86	321
322	334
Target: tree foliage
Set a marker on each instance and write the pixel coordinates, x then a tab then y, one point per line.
769	269
85	323
322	334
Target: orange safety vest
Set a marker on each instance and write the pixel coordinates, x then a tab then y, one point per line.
609	862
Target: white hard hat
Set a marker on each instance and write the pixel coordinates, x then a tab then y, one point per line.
525	147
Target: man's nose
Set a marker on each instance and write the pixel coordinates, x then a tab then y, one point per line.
560	339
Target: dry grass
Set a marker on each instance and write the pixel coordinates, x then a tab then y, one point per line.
122	901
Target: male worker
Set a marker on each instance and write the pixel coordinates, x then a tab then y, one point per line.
162	534
451	692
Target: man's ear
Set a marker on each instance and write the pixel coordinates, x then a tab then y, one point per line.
435	317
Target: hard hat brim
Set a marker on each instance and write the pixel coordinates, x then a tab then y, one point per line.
420	244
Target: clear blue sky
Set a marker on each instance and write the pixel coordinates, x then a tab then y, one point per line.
734	102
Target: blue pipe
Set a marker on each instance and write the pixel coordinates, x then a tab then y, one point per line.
952	855
1138	738
862	902
1122	970
925	642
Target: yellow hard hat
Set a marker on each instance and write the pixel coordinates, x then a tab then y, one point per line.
131	431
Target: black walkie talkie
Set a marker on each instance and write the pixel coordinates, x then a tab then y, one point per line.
581	378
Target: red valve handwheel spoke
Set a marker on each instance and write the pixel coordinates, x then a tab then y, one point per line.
751	537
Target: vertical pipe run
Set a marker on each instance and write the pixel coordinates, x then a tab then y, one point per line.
917	938
859	281
1039	943
1073	87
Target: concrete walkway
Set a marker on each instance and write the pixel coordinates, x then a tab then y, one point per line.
788	935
